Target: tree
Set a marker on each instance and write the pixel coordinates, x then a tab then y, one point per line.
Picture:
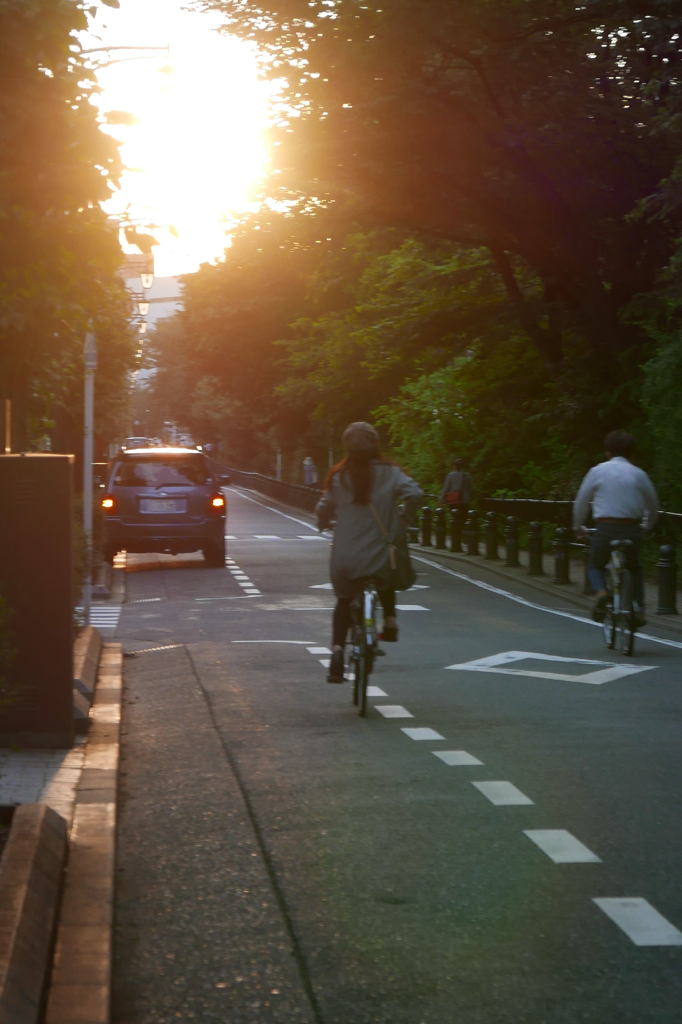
524	127
58	254
407	306
223	346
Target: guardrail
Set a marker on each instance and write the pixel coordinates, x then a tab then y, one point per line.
483	535
518	527
291	494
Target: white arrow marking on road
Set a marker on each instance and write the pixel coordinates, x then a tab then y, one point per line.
320	586
605	671
641	922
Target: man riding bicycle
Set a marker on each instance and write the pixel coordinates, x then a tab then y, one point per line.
623	501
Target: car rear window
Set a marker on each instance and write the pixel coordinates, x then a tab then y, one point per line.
183	470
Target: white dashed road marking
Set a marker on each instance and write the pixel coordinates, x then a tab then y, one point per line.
422	734
393	711
502	794
456	758
642	924
560	846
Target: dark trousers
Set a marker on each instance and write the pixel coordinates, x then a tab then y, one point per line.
600	552
342	618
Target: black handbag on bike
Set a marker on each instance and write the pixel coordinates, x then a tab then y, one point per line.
398	571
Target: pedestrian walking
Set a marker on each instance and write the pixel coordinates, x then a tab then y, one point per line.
456	493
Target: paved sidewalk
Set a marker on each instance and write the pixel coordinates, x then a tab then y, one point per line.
57	867
42	777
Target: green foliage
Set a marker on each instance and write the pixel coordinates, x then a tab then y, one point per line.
481	200
661	313
483	407
58	254
410	306
524	127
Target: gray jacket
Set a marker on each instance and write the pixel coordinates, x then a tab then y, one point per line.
360	547
458	480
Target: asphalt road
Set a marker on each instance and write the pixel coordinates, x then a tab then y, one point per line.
498	842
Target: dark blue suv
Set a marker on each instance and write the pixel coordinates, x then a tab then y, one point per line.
164	499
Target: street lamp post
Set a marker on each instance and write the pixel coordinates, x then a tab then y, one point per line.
90	365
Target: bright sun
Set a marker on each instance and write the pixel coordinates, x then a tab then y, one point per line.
197	148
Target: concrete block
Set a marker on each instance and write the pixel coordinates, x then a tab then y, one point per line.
31	874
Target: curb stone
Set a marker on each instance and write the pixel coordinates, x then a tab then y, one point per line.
30	885
86	655
80	986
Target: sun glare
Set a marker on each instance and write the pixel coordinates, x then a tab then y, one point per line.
196	149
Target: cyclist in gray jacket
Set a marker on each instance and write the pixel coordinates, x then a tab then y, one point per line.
361	496
623	500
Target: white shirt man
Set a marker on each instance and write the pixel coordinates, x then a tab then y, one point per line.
623	500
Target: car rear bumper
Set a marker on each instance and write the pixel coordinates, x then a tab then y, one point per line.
173	538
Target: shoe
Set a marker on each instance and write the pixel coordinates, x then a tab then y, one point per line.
336	668
390	631
599	608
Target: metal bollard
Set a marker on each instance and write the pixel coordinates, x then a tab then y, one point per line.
511	540
470	533
457	518
667	580
561	549
491	535
534	549
440	525
426	527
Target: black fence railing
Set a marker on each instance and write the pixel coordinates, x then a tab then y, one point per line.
526	533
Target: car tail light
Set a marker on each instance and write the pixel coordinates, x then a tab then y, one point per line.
107	503
217	503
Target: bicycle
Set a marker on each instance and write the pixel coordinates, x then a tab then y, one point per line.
620	619
364	646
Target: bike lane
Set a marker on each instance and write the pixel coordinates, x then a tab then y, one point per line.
399	889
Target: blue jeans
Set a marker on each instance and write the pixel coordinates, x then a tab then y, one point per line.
600	552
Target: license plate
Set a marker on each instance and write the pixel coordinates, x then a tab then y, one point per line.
152	505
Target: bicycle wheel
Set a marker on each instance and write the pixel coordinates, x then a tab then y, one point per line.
625	619
361	675
355	662
609	627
